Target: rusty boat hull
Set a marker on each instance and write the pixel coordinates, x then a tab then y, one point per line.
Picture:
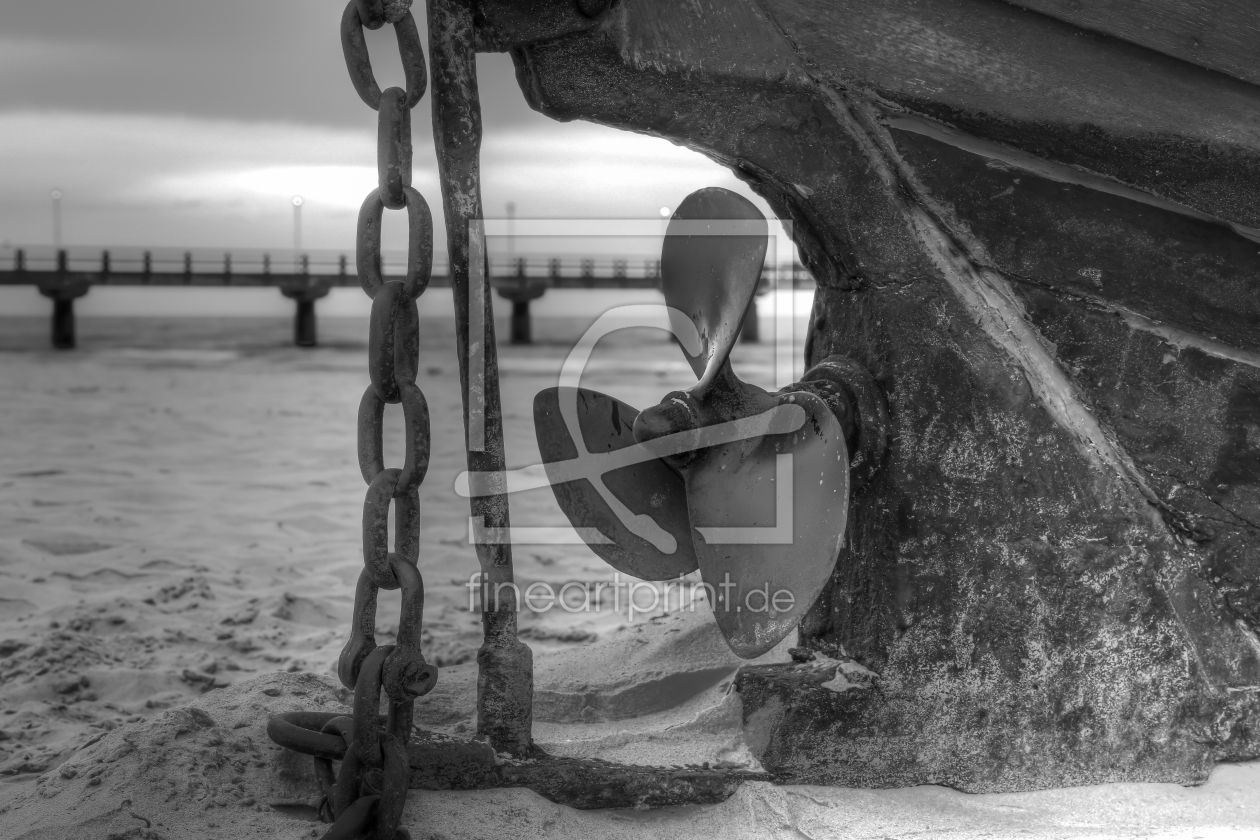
1037	225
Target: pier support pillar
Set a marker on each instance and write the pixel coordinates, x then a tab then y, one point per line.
522	332
521	290
63	294
63	323
304	325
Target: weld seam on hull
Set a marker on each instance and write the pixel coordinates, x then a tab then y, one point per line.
1050	170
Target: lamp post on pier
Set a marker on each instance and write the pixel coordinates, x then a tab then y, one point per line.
56	217
511	229
297	230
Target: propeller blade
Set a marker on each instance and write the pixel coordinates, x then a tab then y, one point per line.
711	261
640	508
769	526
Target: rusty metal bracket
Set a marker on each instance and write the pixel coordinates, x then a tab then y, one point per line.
442	762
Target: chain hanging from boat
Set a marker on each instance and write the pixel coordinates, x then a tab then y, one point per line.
368	792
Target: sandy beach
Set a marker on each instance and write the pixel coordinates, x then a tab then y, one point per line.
179	514
180	508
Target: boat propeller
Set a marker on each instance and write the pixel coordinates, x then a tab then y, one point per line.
750	487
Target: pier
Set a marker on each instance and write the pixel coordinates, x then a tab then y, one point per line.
65	275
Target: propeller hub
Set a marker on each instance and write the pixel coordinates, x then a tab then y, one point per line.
677	413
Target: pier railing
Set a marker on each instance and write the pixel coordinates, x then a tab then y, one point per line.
63	275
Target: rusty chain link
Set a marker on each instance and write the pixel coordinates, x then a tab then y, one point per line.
365	797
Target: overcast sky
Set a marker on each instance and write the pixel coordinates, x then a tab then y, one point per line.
193	122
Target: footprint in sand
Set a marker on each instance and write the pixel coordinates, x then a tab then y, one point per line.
62	546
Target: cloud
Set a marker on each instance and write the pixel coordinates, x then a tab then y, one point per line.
228	59
23	59
177	180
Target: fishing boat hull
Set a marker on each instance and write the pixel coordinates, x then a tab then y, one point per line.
1038	230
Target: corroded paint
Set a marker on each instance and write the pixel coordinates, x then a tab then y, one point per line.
1022	574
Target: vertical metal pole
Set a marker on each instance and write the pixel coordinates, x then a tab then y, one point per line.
505	664
511	228
297	225
56	218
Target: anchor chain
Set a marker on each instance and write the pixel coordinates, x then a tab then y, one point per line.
365	797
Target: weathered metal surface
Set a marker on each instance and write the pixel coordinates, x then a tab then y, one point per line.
302	732
505	686
858	405
505	24
1069	235
710	269
1155	315
1015	574
369	790
359	63
1176	130
1186	412
762	503
443	763
419	243
393	148
1218	34
648	488
765	586
710	266
766	511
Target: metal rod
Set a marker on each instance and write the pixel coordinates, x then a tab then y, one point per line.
297	224
511	228
505	664
56	220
